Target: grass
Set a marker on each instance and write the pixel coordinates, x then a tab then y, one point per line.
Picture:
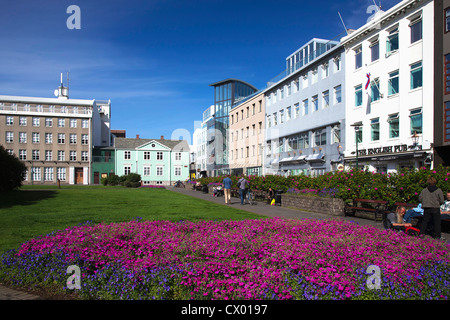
33	210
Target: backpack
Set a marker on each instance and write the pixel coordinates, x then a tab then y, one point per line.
411	231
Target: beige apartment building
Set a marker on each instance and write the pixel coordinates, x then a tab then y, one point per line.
246	135
54	137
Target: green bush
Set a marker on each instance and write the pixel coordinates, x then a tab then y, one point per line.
404	185
131	180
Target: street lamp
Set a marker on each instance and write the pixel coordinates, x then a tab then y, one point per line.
415	139
356	126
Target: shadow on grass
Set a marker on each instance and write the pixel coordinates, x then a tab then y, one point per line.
24	197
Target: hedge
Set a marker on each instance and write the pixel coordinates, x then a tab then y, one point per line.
401	186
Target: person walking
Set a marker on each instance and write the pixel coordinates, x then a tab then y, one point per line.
227	189
431	198
243	186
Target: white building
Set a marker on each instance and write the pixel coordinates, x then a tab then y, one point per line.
200	141
389	89
54	137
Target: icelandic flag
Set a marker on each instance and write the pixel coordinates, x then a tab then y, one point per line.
368	80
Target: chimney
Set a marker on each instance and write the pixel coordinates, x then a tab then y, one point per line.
137	136
162	137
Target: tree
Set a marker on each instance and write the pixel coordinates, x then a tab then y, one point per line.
11	171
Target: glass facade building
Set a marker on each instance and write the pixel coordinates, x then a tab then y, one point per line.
226	94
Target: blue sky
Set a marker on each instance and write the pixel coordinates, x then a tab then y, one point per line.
155	59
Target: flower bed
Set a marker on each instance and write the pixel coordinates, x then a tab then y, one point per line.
250	259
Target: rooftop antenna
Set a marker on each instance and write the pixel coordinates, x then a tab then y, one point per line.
343	22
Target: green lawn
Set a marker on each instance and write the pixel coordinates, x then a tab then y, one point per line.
33	211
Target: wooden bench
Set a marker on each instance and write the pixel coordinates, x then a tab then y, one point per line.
377	207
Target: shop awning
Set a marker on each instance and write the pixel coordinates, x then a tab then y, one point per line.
315	157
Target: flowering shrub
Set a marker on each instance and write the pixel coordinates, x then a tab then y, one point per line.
250	259
403	186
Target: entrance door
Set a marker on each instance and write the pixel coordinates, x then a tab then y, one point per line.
79	175
96	178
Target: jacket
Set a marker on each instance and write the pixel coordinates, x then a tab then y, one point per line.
431	197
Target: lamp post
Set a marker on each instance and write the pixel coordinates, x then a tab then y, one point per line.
415	141
356	126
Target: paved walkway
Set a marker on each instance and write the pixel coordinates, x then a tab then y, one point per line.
260	208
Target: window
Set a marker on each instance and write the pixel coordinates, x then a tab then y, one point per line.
48	138
325	70
392	41
73	123
9	137
35	155
305	81
61	155
10	152
22	121
314	76
337	95
159	171
447	121
84	156
416	121
22	137
73	138
297	110
22	154
416	75
159	155
61	138
73	156
84	139
358	58
275	122
9	121
178	156
315	103
375	50
36	137
63	109
393	83
281	116
48	155
447	73
177	171
325	99
393	126
75	110
85	124
337	63
375	128
61	123
61	174
127	155
288	113
336	134
36	174
359	134
305	107
416	30
36	122
48	174
146	171
48	122
447	20
320	138
374	90
126	170
146	155
358	95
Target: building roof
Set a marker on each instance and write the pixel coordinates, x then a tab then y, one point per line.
21	99
133	143
215	84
